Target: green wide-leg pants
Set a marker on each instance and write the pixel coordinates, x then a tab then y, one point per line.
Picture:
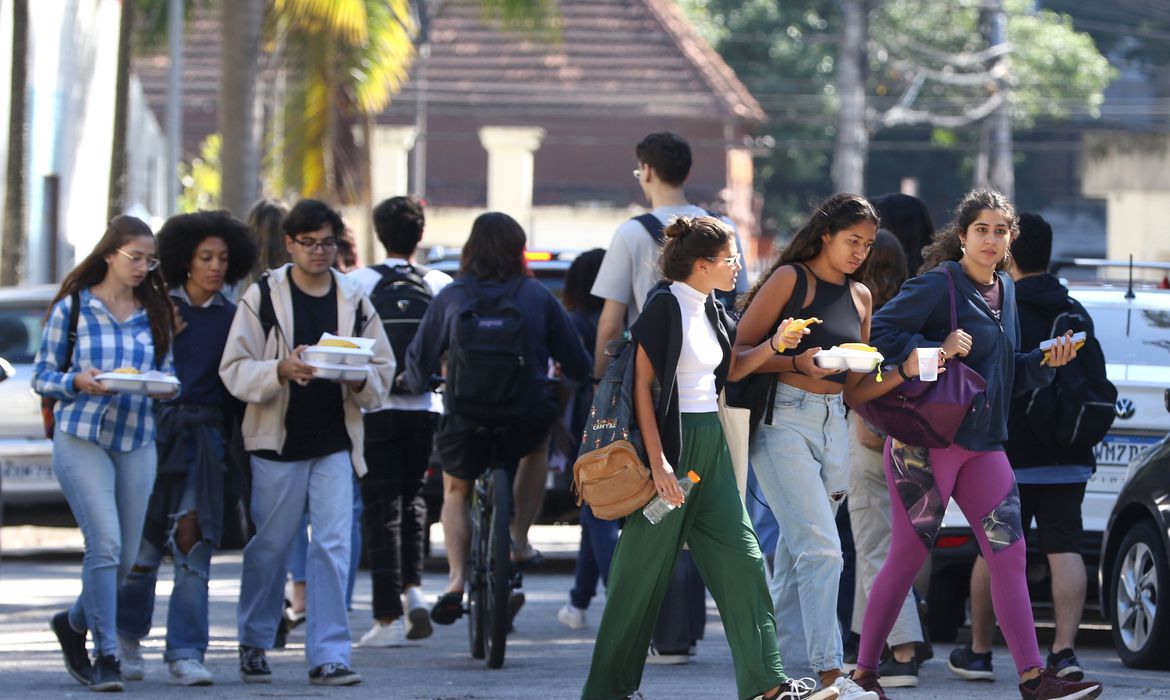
715	525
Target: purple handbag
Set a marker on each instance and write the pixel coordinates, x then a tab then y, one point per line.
928	414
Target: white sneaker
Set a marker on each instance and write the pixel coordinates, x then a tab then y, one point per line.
418	614
133	665
653	656
851	691
189	672
806	689
384	636
572	617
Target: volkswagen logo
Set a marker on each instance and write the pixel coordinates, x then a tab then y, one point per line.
1124	408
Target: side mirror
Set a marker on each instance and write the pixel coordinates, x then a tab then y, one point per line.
6	371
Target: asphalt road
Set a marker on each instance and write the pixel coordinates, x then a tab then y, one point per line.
544	660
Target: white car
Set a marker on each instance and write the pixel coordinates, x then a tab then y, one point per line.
26	457
1134	333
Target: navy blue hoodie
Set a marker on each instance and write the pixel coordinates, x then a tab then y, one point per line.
920	317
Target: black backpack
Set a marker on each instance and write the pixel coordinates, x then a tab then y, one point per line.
267	313
401	298
1078	408
489	380
655	227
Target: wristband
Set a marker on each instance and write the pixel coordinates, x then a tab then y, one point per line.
905	377
772	344
795	368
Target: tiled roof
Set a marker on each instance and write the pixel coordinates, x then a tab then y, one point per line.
615	58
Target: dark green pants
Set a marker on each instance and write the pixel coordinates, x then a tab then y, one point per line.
715	525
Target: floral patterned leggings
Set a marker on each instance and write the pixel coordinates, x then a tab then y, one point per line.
921	482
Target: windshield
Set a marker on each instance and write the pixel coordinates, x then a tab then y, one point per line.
1133	336
20	334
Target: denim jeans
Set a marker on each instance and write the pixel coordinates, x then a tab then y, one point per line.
280	493
802	464
108	492
300	549
187	612
598	540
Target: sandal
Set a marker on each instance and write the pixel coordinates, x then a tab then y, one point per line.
528	558
448	608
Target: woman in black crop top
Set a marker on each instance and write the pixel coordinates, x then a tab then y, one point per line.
802	458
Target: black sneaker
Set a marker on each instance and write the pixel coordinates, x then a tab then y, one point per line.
254	665
923	652
895	674
1065	665
72	647
970	666
333	674
849	646
107	675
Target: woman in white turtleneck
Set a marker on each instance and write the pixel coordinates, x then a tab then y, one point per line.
684	340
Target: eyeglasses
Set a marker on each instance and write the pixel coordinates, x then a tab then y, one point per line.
310	244
150	261
732	260
638	174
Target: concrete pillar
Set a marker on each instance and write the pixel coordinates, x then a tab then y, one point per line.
389	177
510	168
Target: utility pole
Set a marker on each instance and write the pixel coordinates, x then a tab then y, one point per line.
419	156
852	138
174	112
1001	168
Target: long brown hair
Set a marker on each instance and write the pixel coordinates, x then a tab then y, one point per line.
886	269
946	244
688	240
495	249
831	216
151	292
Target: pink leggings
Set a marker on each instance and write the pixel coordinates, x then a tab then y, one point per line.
921	482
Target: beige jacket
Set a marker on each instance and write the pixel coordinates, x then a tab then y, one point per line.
248	366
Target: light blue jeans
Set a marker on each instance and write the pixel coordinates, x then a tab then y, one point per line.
281	492
300	548
187	613
108	492
802	464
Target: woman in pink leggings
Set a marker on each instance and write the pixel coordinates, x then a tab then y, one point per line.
971	251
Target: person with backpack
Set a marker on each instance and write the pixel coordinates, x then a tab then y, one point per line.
111	313
1051	434
628	272
399	433
980	328
683	343
304	437
199	254
498	328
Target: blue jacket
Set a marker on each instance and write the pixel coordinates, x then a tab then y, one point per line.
920	316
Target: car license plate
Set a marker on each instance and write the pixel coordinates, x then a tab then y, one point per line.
22	475
1119	450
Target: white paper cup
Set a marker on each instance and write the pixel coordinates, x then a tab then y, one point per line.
928	364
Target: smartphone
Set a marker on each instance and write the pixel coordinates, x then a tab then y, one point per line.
1078	338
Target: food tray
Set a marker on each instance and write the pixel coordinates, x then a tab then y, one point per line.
152	382
330	355
853	360
338	373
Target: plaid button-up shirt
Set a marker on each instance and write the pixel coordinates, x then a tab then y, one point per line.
121	422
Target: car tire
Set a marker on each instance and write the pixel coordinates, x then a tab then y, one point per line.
1138	608
946	605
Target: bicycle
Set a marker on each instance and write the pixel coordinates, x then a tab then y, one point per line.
491	577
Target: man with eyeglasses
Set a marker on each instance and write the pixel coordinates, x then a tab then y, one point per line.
628	272
304	435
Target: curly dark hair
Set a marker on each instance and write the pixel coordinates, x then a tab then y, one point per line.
577	294
494	250
688	240
948	246
181	235
831	216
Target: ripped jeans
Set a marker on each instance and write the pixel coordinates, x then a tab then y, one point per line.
802	464
187	612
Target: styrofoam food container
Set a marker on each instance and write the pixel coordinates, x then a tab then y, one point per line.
331	355
853	360
338	373
152	382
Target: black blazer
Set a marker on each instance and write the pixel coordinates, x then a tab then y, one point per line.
658	331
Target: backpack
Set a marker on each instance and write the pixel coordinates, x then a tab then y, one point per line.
655	227
401	298
267	313
48	419
489	380
1077	409
610	473
757	391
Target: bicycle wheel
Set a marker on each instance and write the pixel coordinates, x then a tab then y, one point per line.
476	559
498	572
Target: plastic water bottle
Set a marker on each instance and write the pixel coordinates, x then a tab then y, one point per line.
657	509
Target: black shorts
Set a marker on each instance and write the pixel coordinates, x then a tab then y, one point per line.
1057	510
465	450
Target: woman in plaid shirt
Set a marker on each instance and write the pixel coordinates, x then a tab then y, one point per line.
103	448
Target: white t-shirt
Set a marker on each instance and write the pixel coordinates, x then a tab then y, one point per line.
630	268
368	278
701	352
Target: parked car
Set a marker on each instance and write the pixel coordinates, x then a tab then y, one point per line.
1133	328
1134	577
26	457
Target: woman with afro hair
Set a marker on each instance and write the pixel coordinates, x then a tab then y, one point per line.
199	253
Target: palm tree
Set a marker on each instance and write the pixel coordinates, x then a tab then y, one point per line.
13	236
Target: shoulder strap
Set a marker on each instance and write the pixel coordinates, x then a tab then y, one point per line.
267	312
71	336
951	294
653	226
